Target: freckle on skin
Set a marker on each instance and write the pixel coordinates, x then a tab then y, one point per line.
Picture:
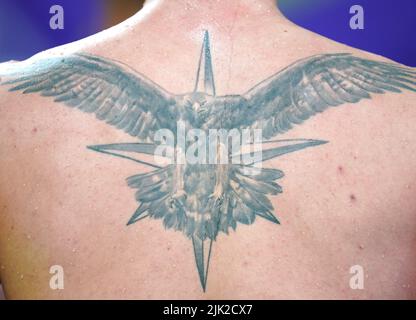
340	169
353	198
34	130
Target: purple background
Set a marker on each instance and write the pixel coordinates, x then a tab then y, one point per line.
24	25
389	24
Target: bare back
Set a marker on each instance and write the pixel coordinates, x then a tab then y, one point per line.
335	193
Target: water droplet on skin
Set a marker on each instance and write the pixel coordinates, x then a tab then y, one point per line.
74	250
21	277
29	237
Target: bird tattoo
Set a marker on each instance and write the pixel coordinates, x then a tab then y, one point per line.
203	199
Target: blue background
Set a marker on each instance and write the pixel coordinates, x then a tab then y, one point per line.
389	24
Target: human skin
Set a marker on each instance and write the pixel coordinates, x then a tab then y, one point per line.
349	202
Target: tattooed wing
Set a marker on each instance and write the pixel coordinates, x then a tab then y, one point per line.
118	96
308	87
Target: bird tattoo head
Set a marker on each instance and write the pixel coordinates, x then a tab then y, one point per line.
205	199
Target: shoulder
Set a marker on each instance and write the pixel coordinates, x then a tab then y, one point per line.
377	70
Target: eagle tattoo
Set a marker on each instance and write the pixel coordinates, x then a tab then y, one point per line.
202	200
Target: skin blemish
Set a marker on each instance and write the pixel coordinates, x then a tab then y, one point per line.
340	169
353	198
34	130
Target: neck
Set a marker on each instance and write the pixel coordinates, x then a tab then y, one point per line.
218	11
220	3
